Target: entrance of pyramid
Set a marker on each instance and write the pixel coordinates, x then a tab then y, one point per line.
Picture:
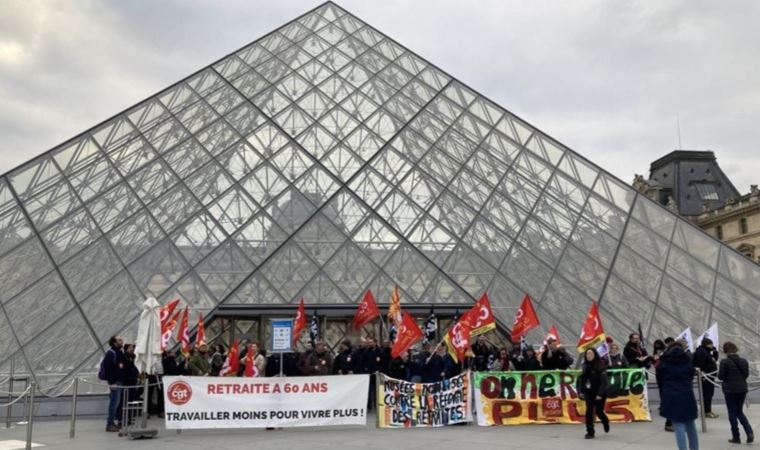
255	323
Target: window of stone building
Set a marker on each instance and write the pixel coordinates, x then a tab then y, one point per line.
743	225
719	232
707	191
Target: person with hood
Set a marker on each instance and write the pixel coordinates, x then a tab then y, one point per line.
345	362
677	402
616	359
733	372
706	359
592	388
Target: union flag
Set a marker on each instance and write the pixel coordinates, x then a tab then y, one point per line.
366	312
167	310
184	333
394	311
458	338
526	319
592	334
300	323
167	330
200	335
232	363
481	316
408	334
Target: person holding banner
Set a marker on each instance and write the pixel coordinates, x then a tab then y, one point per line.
677	402
592	388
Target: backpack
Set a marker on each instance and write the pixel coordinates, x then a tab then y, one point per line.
102	370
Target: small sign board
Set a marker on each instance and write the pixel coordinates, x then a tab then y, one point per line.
282	332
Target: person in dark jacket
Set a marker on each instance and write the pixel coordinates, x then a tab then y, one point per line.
131	378
616	360
435	366
399	368
114	368
677	396
733	372
345	362
635	353
217	359
592	388
372	359
529	360
554	357
706	359
481	350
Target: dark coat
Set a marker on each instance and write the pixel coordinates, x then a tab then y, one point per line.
372	359
592	382
632	352
559	360
733	372
432	369
677	396
115	366
481	352
706	359
399	369
346	363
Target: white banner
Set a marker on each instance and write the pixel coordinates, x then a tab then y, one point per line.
232	402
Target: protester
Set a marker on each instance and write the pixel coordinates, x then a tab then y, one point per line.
481	350
303	357
659	348
706	359
528	360
320	361
733	372
592	388
413	365
615	360
171	365
198	364
113	371
635	353
399	368
678	404
259	359
501	362
156	390
217	359
345	363
131	379
554	357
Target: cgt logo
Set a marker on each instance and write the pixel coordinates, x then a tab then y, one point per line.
179	393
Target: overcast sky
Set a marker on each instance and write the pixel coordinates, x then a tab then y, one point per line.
606	78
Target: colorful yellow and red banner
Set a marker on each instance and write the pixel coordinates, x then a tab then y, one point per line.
592	334
517	398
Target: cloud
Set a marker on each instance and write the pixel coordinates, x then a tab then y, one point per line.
605	78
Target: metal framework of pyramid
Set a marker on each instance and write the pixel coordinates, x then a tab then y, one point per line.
324	159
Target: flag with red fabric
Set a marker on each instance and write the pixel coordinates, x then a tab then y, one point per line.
250	369
232	363
184	332
200	334
394	310
408	334
481	316
300	323
458	338
167	330
366	312
167	310
552	334
592	334
526	319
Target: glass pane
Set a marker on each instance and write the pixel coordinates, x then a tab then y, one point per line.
70	235
79	273
62	347
21	267
111	307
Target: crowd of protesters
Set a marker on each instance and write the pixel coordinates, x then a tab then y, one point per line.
671	360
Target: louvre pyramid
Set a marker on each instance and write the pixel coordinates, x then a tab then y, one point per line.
324	159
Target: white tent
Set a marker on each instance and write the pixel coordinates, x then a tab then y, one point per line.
148	344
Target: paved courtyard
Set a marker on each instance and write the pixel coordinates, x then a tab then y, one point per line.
637	436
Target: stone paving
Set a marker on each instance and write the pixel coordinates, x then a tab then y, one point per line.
636	436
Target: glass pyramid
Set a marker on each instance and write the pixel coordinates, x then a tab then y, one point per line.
324	159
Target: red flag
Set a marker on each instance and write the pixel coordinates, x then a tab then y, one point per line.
458	338
232	363
300	323
167	330
250	367
552	334
592	334
167	310
525	320
394	310
183	333
200	335
366	312
408	333
481	316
